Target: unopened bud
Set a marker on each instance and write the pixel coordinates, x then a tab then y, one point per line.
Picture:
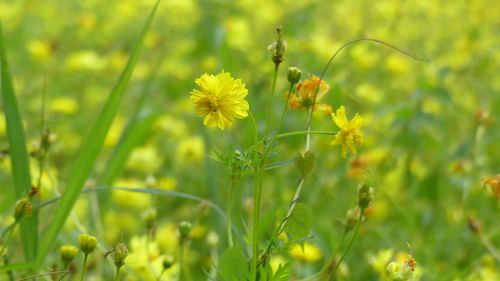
87	243
168	262
68	253
352	217
365	196
277	49
120	254
23	208
294	75
150	218
185	229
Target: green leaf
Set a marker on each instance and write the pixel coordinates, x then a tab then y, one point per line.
91	149
300	223
305	163
18	153
18	266
233	265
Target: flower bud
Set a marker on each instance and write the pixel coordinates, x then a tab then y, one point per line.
185	229
352	217
120	254
294	75
277	49
150	218
365	196
87	243
23	207
168	262
68	253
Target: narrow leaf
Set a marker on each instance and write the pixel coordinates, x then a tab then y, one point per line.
91	149
18	153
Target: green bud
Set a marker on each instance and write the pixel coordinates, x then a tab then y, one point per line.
352	217
277	49
168	262
68	253
150	218
365	196
294	75
120	254
185	229
87	243
23	207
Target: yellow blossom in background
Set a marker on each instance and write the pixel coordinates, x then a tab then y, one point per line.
308	253
221	100
350	133
63	105
190	151
39	49
306	90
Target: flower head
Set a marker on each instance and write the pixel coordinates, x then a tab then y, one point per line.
350	133
494	183
87	243
306	90
220	100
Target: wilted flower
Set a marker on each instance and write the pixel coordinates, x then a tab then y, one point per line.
221	99
306	91
494	183
350	133
120	254
401	271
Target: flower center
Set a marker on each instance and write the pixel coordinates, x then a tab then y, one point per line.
212	103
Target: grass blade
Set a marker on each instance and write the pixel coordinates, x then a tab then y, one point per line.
19	266
18	153
91	149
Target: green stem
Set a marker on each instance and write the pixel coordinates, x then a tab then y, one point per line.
84	266
9	237
270	107
332	274
184	270
228	214
491	248
117	277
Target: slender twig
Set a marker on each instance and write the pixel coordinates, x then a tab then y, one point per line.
43	274
84	266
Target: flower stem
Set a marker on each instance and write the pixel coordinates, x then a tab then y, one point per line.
84	266
270	107
228	214
9	236
117	277
182	260
334	270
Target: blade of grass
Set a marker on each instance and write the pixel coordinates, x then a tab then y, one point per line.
129	139
91	149
10	267
18	153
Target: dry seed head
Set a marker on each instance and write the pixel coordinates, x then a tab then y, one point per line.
120	254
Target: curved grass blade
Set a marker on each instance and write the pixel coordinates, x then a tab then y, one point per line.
18	266
18	153
91	149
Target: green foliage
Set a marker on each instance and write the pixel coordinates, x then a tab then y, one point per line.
300	223
233	265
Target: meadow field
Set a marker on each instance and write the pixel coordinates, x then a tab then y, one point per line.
250	140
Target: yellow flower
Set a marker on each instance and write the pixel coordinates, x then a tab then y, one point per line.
220	100
308	253
350	133
494	183
306	90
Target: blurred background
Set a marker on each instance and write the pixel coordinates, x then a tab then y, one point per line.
431	128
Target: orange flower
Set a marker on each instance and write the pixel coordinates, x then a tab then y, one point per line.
494	183
306	90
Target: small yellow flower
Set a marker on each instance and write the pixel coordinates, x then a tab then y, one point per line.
304	99
308	253
221	99
350	133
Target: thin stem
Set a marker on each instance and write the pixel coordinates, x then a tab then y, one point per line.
117	277
270	107
9	237
84	266
184	270
228	214
44	274
161	274
332	274
491	248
